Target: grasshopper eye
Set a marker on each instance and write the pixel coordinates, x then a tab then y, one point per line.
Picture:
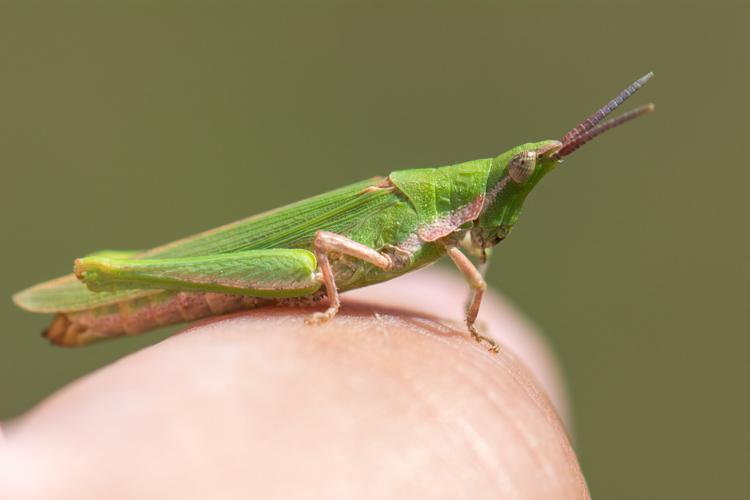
522	166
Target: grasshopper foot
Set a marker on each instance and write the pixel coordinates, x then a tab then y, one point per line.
321	317
493	346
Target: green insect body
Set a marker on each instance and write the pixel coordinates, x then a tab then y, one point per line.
362	234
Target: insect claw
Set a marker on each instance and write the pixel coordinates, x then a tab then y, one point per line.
494	347
321	317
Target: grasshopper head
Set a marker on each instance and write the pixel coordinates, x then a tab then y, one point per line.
515	172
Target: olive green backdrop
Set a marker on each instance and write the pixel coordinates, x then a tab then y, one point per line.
128	124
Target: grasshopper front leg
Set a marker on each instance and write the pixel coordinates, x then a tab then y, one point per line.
478	286
326	242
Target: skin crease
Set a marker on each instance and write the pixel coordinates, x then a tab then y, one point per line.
385	401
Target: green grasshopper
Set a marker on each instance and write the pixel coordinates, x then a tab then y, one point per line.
369	232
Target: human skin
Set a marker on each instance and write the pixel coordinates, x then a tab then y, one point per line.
388	400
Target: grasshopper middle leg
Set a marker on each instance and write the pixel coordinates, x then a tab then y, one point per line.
326	242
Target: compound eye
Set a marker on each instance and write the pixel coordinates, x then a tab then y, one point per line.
522	166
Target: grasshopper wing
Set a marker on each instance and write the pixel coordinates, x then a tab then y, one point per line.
292	226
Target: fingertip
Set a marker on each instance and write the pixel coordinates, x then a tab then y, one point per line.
352	405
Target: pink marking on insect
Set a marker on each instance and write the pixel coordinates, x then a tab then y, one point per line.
443	226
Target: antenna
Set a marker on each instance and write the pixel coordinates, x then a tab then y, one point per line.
591	122
586	136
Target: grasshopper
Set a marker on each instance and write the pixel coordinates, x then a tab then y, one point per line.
369	232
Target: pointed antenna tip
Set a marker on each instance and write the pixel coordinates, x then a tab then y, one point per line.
642	110
646	77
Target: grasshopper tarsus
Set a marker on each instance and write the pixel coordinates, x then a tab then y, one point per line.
494	347
321	317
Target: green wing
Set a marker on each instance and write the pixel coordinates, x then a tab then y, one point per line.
67	294
292	226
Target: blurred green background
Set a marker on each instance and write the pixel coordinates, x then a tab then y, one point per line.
131	124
